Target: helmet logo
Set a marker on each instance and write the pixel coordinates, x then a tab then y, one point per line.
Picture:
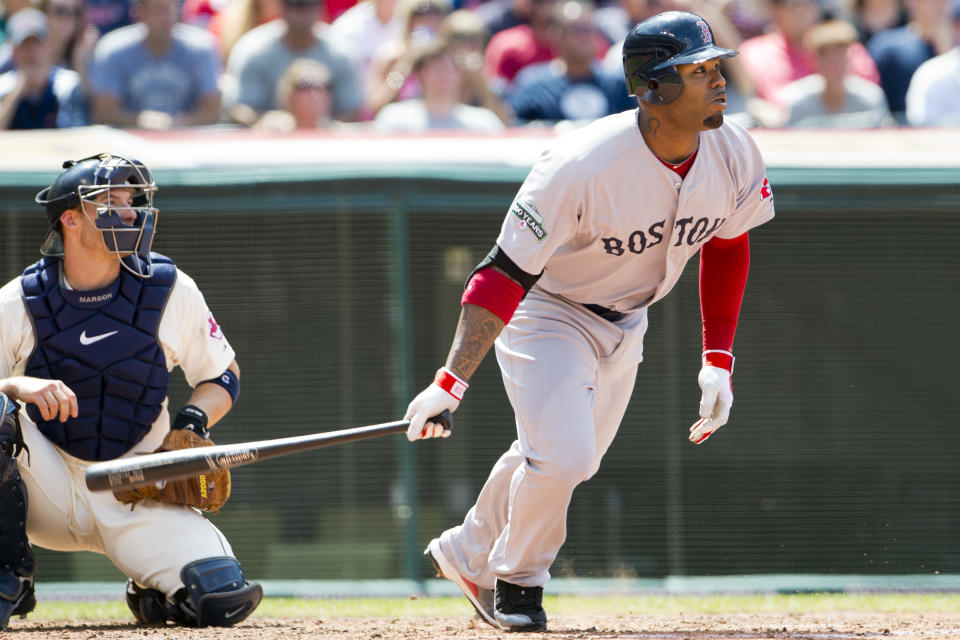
707	36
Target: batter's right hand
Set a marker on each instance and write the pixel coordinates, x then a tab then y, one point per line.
52	397
443	394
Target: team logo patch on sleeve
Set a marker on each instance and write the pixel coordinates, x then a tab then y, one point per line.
215	331
530	218
766	191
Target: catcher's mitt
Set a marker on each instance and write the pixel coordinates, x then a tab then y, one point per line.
207	492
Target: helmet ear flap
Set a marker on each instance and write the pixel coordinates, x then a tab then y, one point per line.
663	88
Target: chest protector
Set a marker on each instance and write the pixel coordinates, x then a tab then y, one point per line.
103	345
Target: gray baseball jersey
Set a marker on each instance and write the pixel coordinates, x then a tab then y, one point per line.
609	225
613	226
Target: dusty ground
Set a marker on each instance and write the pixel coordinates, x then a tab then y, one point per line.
831	626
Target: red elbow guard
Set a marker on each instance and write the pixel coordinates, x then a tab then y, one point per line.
495	292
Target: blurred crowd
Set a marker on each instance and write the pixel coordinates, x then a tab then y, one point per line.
478	65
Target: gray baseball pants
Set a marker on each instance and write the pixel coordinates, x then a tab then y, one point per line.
569	375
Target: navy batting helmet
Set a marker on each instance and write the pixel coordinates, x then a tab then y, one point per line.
654	47
81	181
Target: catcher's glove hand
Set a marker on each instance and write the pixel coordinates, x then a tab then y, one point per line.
207	492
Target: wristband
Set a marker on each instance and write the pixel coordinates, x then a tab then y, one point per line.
229	381
718	358
449	382
191	418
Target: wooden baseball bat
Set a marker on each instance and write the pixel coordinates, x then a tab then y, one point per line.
137	471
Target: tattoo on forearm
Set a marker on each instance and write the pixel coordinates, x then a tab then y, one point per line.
476	333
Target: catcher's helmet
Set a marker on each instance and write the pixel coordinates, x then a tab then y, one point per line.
82	180
654	47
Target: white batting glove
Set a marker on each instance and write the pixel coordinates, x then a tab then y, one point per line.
716	398
444	393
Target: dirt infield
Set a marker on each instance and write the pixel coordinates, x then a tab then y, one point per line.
826	626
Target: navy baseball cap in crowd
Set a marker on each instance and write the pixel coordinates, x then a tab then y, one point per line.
26	23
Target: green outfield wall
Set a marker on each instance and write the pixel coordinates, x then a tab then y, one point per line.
338	284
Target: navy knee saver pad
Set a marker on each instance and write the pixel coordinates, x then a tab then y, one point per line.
218	592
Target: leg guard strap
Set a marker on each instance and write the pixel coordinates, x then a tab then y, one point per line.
148	606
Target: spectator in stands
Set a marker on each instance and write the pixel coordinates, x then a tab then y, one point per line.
614	20
305	100
899	51
157	73
873	16
199	13
362	27
261	56
834	98
333	9
239	17
391	69
9	8
37	95
72	39
109	15
573	86
512	49
500	15
933	98
749	17
439	108
779	57
467	35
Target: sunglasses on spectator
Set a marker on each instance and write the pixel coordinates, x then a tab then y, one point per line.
467	38
65	11
302	4
427	9
306	83
580	28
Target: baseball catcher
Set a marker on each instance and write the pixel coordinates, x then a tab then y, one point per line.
90	333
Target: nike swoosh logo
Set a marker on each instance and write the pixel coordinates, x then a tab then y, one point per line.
84	340
230	614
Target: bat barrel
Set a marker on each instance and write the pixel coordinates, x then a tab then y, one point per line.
140	470
166	465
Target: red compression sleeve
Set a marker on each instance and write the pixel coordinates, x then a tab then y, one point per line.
724	265
495	292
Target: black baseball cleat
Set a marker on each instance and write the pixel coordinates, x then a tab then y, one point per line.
480	598
16	598
519	608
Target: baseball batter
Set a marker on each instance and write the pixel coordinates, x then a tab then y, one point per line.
601	229
89	335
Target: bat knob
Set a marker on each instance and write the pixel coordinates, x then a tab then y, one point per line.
445	418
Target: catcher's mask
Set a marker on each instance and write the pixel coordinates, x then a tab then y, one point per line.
80	182
654	48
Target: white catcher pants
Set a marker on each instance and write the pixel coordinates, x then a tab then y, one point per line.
150	544
569	375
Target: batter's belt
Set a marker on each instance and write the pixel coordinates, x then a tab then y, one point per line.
605	313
